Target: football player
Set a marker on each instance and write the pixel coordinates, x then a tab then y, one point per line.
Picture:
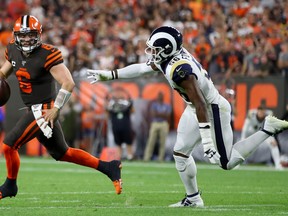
254	122
37	66
207	116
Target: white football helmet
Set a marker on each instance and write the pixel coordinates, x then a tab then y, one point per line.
163	43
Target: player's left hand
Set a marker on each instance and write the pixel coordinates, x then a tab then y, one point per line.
211	153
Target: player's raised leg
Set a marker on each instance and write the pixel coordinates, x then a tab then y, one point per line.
245	147
112	169
60	151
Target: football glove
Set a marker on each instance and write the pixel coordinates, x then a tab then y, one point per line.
211	153
100	75
208	145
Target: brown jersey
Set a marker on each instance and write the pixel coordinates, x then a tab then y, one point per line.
36	83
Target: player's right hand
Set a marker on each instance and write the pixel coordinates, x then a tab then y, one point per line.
211	153
99	75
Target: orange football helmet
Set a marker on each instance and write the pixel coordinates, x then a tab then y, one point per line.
27	32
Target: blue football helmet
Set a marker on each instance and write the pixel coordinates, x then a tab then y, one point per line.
163	43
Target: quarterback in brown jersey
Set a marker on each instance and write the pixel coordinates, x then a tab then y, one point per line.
37	67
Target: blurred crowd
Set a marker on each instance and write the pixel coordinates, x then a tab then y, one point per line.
229	37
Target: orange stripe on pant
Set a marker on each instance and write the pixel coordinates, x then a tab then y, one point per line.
27	135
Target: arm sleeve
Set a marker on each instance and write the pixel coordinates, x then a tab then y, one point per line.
134	70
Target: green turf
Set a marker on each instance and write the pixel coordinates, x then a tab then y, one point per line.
47	187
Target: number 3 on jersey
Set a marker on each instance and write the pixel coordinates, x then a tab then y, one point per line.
23	78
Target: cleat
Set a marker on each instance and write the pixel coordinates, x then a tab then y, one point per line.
193	202
279	167
113	170
274	125
115	175
8	189
118	186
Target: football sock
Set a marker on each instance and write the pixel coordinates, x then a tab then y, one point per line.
193	195
12	161
80	157
242	149
111	169
235	159
275	153
250	144
187	171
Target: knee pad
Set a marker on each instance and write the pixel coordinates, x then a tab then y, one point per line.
182	163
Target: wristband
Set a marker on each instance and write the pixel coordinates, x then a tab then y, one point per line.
114	74
204	125
205	132
62	98
2	75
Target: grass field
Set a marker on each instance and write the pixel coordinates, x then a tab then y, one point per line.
47	187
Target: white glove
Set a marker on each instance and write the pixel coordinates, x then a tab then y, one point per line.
37	112
99	75
211	153
208	145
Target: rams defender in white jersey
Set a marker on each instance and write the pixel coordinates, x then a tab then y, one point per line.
254	121
207	117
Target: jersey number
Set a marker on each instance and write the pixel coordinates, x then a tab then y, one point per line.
200	68
23	78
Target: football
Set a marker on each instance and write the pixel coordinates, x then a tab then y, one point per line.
4	91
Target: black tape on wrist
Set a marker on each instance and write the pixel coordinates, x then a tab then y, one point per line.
114	74
205	127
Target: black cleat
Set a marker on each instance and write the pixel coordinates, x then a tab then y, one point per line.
8	189
113	170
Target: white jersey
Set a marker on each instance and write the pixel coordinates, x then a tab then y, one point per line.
180	67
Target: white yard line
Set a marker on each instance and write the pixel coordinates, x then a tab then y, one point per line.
214	208
250	167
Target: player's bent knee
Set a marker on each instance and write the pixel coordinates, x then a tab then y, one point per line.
57	155
234	162
235	159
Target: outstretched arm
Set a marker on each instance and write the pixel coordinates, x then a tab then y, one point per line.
131	71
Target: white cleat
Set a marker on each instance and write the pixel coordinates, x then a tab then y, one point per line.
279	167
274	125
194	202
